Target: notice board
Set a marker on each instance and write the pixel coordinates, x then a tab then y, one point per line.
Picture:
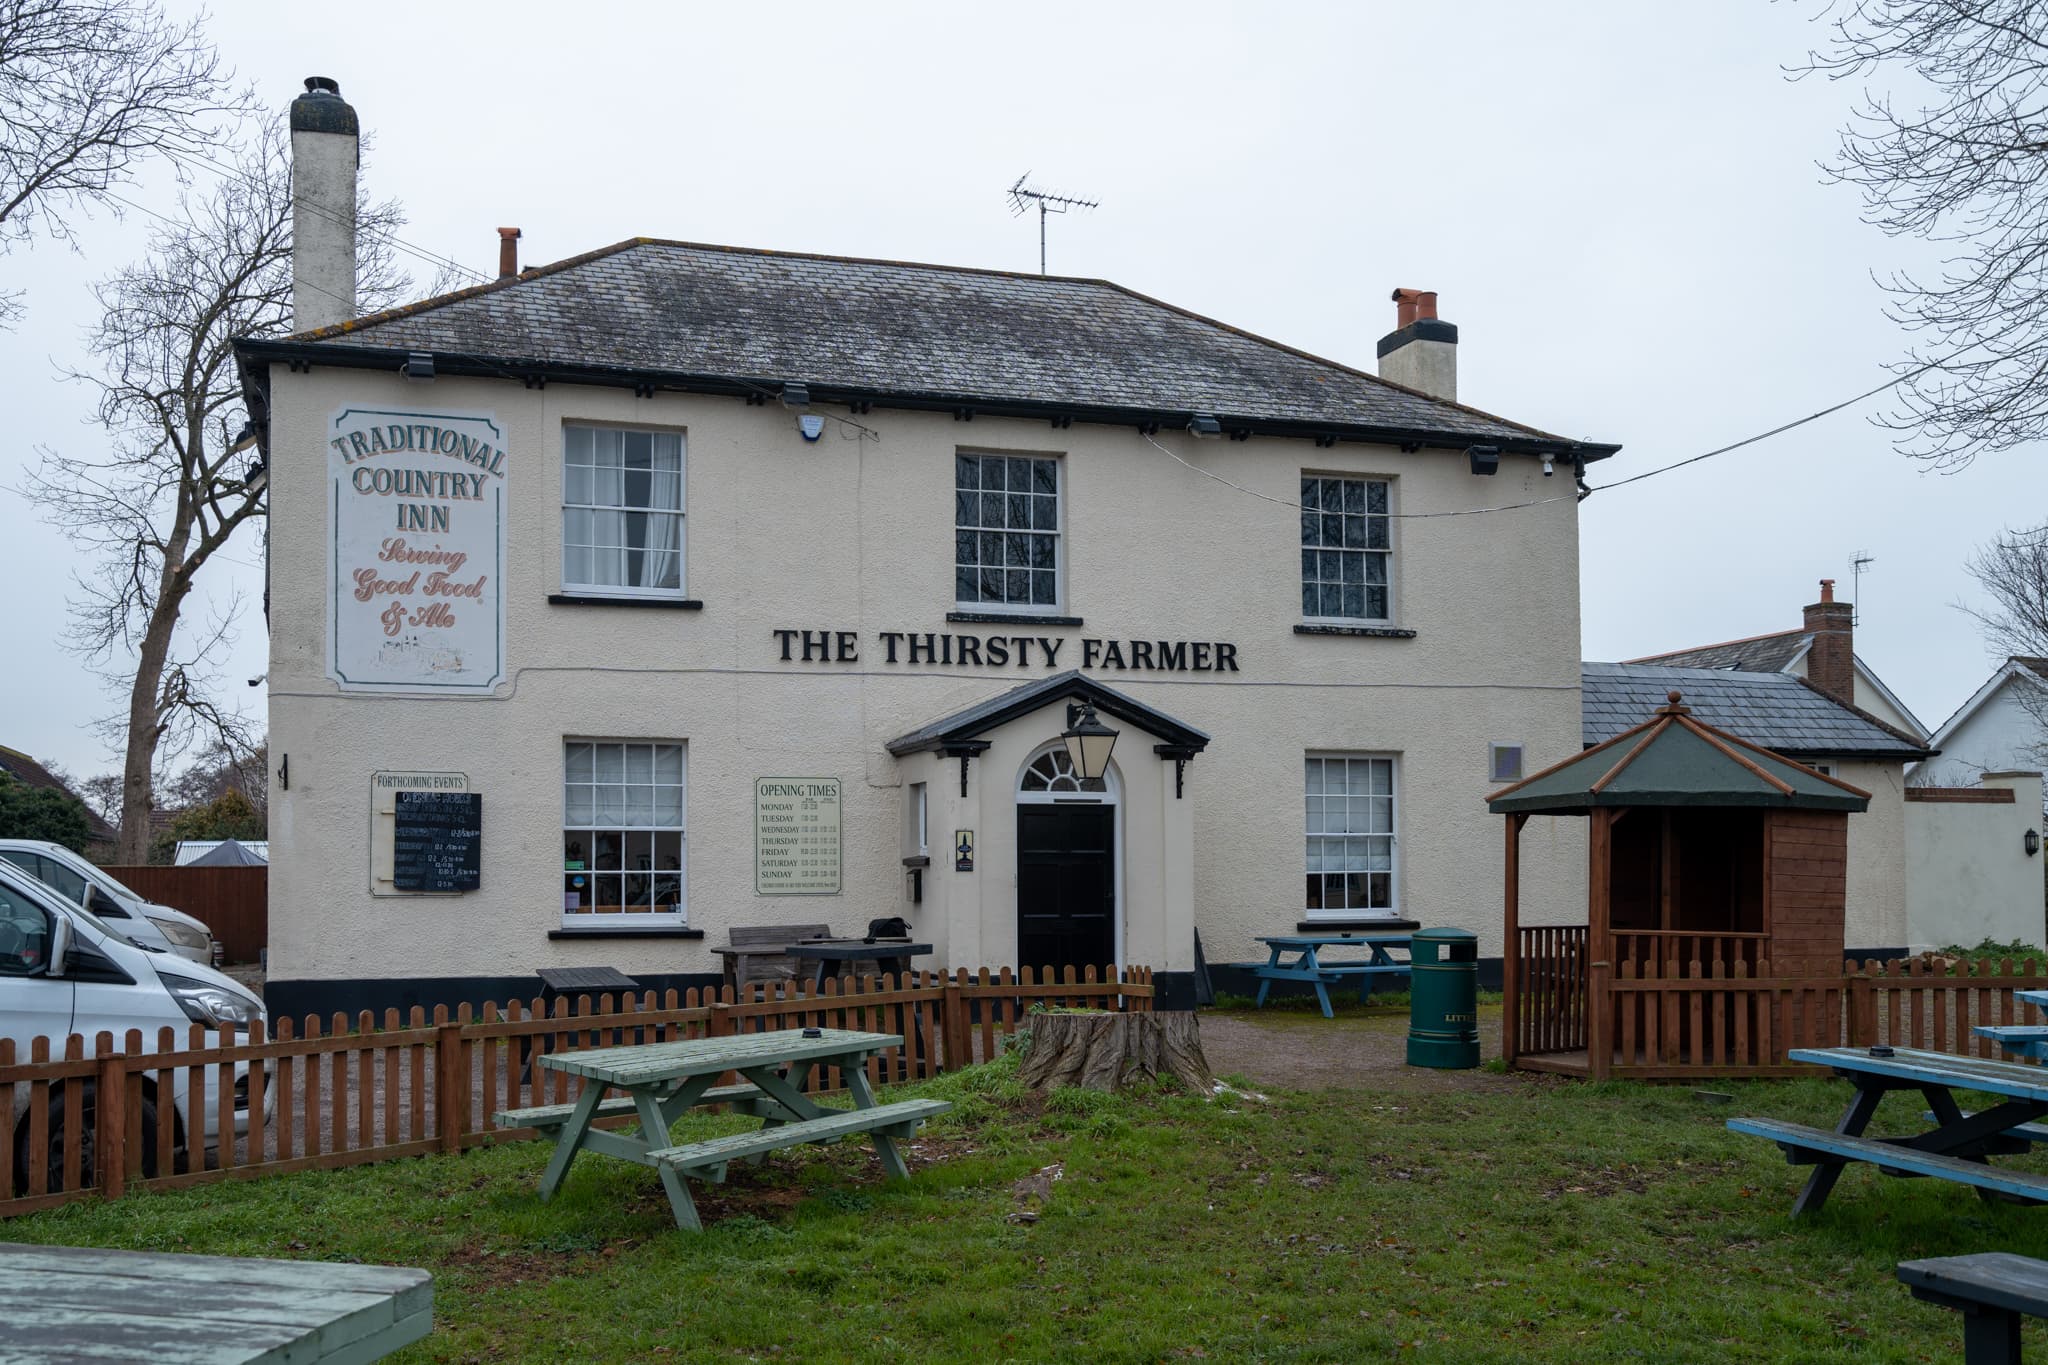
796	836
436	839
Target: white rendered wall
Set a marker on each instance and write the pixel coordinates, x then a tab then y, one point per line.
857	535
1968	874
1876	913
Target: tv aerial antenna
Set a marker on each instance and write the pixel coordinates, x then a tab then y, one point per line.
1857	562
1023	198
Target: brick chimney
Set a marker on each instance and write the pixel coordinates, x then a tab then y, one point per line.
1831	663
1422	350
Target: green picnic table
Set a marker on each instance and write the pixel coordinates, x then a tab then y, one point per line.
663	1081
92	1304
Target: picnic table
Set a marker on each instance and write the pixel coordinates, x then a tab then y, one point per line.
1957	1148
2022	1040
838	957
663	1081
1306	963
86	1303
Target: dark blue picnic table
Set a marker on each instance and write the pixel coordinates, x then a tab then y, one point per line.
1299	958
1958	1147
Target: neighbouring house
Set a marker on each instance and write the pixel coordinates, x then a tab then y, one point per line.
671	588
1791	716
1930	865
30	773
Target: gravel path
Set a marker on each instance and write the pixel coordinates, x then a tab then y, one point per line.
1301	1050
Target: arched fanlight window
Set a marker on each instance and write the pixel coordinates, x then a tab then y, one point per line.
1051	771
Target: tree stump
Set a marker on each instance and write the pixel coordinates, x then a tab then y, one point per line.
1103	1051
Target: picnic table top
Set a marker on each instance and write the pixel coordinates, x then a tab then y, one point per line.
87	1303
857	949
653	1063
1334	939
1988	1075
2037	997
561	979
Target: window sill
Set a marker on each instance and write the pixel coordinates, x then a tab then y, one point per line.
1369	632
626	933
1006	618
1355	925
572	599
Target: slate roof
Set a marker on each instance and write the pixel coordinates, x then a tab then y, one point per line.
30	773
1781	712
946	335
968	726
1757	654
1670	758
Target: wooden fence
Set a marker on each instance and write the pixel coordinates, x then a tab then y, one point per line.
352	1090
1719	1019
233	902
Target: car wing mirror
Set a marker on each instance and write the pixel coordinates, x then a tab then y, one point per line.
60	945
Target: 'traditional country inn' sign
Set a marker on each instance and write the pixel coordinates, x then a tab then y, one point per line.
416	550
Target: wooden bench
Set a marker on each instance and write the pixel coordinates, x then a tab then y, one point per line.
707	1160
758	952
2025	1040
1993	1290
546	1116
1806	1146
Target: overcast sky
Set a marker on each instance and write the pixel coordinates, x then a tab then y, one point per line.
1618	204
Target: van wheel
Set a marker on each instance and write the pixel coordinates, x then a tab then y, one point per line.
53	1158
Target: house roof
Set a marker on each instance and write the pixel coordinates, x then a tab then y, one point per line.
726	319
30	773
2017	665
1757	654
1674	759
1779	711
966	728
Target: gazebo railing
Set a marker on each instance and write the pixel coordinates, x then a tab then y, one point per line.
1681	954
1550	1004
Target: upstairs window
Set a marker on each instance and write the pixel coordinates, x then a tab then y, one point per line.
1006	536
1346	549
622	512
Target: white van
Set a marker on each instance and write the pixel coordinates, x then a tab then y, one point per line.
64	971
149	924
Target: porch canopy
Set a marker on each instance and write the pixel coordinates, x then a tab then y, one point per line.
1708	856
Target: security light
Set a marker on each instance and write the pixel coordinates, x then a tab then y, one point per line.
418	365
1485	459
795	395
1202	424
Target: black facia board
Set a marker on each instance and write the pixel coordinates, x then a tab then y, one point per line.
435	841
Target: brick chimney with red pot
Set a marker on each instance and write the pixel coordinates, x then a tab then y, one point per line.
1831	663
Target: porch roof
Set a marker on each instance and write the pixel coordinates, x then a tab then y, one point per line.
964	727
1673	760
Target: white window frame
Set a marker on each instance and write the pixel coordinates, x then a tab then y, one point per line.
1058	533
626	920
1391	552
1392	910
682	514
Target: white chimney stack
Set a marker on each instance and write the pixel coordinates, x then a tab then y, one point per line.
1421	352
325	151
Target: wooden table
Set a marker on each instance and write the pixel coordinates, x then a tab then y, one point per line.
663	1081
841	956
86	1304
1957	1148
1306	964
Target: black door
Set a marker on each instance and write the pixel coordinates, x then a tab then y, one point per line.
1066	885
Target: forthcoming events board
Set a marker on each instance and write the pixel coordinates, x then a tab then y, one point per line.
796	836
416	550
435	841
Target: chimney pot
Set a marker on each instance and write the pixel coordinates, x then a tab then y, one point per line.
1827	590
508	252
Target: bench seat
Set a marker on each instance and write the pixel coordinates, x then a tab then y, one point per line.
555	1115
2027	1040
1328	971
1992	1290
707	1159
1808	1146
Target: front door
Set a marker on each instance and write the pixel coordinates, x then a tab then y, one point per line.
1066	885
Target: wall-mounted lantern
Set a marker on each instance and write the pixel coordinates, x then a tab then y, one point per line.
1088	742
2033	843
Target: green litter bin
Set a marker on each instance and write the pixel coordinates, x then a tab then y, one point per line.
1443	1001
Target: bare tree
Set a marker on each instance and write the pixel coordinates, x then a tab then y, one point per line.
90	89
1962	160
171	488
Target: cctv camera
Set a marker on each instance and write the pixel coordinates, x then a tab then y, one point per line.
1549	467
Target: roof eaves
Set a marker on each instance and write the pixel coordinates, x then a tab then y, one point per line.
1918	746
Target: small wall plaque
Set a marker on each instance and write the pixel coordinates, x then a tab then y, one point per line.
963	850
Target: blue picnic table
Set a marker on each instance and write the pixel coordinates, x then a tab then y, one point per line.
2022	1040
1958	1147
1299	958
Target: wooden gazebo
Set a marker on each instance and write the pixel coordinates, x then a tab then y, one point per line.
1715	899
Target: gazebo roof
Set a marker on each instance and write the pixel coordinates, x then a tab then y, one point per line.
1673	760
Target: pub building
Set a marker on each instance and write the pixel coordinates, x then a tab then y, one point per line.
670	588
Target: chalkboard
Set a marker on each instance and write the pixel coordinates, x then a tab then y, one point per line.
435	840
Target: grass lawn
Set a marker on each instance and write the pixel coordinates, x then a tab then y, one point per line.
1528	1220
